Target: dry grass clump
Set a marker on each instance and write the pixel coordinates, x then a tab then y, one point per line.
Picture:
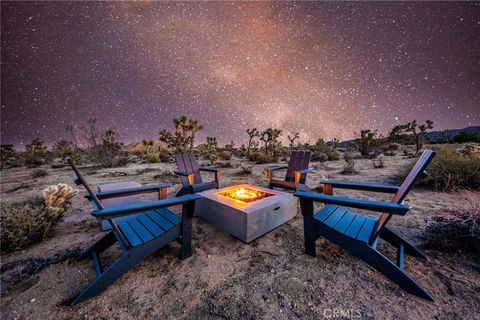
458	229
449	171
33	220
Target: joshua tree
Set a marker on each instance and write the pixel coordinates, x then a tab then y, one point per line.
419	135
334	143
270	138
397	134
252	133
193	126
210	150
292	140
366	142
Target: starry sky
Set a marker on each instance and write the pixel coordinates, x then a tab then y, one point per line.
321	69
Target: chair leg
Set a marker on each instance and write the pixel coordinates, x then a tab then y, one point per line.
310	237
394	239
99	246
186	249
390	270
127	261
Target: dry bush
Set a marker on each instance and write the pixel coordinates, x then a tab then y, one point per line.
38	173
245	169
349	167
34	220
457	229
260	157
449	171
378	163
225	155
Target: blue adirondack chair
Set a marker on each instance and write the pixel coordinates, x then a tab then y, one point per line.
297	170
140	229
190	177
114	194
358	233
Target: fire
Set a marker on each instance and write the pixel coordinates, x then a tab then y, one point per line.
245	194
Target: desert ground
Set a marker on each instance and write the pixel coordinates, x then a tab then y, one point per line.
225	278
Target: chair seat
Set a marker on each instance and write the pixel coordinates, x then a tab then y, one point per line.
141	228
347	222
199	187
283	184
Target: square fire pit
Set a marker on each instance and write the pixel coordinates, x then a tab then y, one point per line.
245	211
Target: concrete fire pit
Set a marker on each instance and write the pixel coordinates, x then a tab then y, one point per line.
245	211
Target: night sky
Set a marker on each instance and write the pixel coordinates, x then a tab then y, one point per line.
321	69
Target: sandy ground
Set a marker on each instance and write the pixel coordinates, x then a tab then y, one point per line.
269	278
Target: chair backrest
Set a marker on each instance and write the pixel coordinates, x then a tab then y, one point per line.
299	160
417	171
186	162
80	181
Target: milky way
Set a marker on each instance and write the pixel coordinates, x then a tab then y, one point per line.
321	69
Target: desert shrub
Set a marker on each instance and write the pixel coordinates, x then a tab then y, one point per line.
245	169
319	156
38	173
35	153
120	161
260	157
378	163
225	155
457	229
448	171
34	220
152	158
210	150
164	155
389	149
366	142
349	167
9	158
321	149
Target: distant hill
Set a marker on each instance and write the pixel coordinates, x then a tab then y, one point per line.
138	146
432	136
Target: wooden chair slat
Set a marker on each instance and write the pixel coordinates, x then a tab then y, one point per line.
156	216
325	212
355	226
367	229
169	215
333	219
129	234
140	230
148	223
343	224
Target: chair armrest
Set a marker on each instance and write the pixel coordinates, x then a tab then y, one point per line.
209	169
275	168
180	173
361	186
377	206
114	212
131	191
303	171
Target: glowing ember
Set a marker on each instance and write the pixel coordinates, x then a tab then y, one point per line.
245	194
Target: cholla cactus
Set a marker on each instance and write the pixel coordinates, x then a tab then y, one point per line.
472	149
57	201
